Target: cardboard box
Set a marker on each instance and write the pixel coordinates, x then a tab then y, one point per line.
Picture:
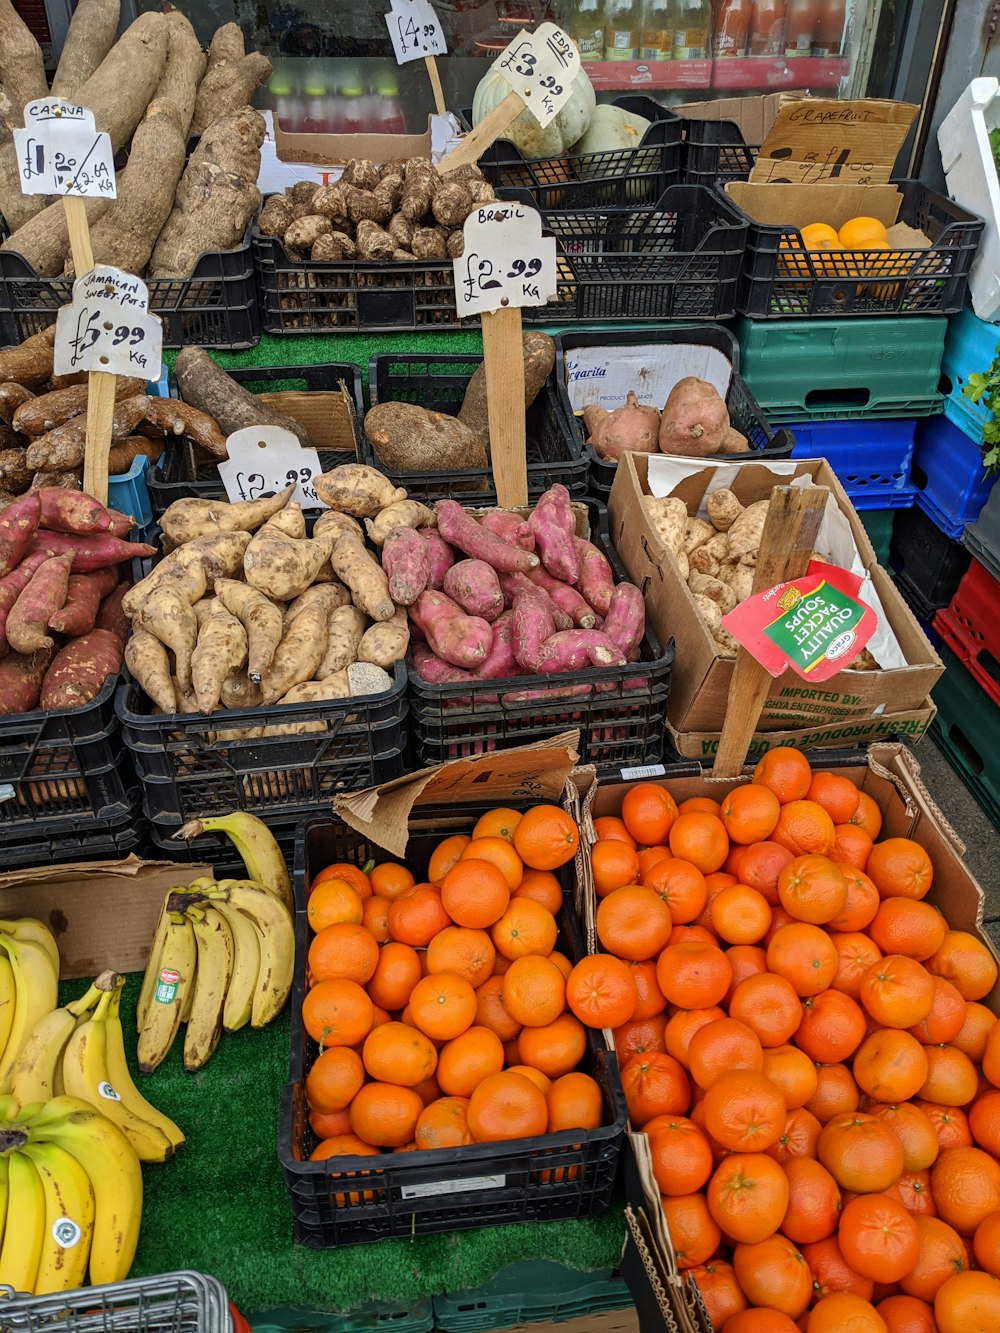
753	116
702	745
103	914
701	680
328	415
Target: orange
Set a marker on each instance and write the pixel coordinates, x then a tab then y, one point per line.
506	1106
744	1112
333	1080
984	1121
640	1035
337	1013
534	991
832	1027
700	839
654	1084
546	837
499	823
878	1237
694	1233
900	866
774	1274
856	953
574	1102
559	960
398	1053
746	960
613	865
442	1006
760	866
860	1152
525	927
681	885
443	1124
693	975
397	972
333	902
543	886
611	827
813	1201
966	1185
500	853
446	855
819	236
469	953
540	1080
951	1077
768	1006
804	955
974	1033
648	812
350	874
792	1073
648	857
913	1128
798	1138
721	1294
343	950
831	1272
703	804
491	1012
466	1060
342	1145
897	991
749	813
760	1320
633	922
327	1124
601	991
804	827
681	1154
417	915
851	845
390	880
905	1314
649	999
812	889
890	1065
384	1115
428	1091
677	1035
747	1196
941	1255
474	893
836	1093
375	918
986	1243
863	233
968	1302
555	1049
951	1124
721	1046
868	816
946	1017
966	963
843	1310
786	772
836	794
740	915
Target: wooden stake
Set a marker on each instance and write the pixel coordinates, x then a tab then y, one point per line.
100	387
478	140
504	359
786	543
434	75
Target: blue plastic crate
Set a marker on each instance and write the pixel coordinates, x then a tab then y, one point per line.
871	458
970	346
129	494
949	477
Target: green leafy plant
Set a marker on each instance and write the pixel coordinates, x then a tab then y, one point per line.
984	387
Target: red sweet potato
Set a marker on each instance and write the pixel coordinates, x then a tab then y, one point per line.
41	598
532	624
512	584
462	640
456	527
79	670
596	580
21	677
83	598
89	553
474	585
571	602
121	524
435	670
110	615
442	557
501	660
406	559
72	511
626	619
18	524
554	529
509	527
11	587
575	649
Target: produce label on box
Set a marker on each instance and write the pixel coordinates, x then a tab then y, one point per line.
602	376
813	624
108	327
60	151
264	460
540	68
506	260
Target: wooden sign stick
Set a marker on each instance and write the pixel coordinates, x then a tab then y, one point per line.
476	142
100	387
788	539
434	74
504	360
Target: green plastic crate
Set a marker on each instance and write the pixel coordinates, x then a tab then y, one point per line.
878	524
967	732
527	1292
832	369
415	1317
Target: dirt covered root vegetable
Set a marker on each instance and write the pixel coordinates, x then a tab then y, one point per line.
356	567
345	629
84	595
147	660
259	617
462	640
410	438
539	353
404	513
79	670
626	619
575	649
18	523
406	560
21	676
554	529
356	489
188	518
745	534
459	529
531	624
474	585
282	567
30	363
440	555
205	385
630	428
29	616
298	655
220	651
723	508
166	614
385	644
596	581
569	601
694	420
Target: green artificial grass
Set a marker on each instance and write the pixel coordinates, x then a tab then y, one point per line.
220	1207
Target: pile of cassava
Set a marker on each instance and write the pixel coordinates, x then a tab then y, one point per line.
152	90
694	423
62	629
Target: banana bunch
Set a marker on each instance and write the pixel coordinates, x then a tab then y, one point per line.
251	837
70	1196
223	956
29	983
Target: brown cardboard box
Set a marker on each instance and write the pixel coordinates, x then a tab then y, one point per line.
702	745
701	680
328	415
103	914
753	115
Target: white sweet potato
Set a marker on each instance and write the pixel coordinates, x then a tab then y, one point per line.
148	661
402	513
220	651
669	517
694	421
746	532
709	611
167	614
345	629
261	619
723	509
298	654
356	489
386	643
719	592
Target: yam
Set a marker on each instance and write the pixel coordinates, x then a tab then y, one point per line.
147	660
79	670
30	364
110	615
81	514
356	489
239	691
462	640
205	385
407	563
474	585
669	517
330	596
539	353
183	70
440	555
221	649
696	533
460	530
408	438
226	89
714	588
531	625
386	643
709	611
11	587
90	37
38	415
597	580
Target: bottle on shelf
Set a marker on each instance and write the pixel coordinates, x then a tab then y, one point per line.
316	117
801	18
828	38
692	25
622	19
767	28
388	115
584	22
285	106
731	27
350	107
656	41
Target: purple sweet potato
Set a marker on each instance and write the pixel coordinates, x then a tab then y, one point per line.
575	649
501	660
79	670
596	582
474	585
532	624
18	524
554	529
458	528
89	553
72	511
21	677
626	619
110	615
406	559
11	587
83	598
462	640
510	528
41	598
121	524
571	602
512	584
442	557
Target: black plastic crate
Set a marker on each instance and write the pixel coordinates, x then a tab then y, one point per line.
215	848
744	411
215	307
120	832
621	178
927	565
438	382
182	470
569	1174
187	769
781	279
715	152
620	711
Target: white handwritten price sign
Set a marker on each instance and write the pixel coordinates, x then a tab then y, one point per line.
540	68
506	260
60	151
108	327
266	459
414	30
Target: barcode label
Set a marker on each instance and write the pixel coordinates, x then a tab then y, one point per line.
644	771
453	1186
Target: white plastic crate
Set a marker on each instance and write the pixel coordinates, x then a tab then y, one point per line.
972	182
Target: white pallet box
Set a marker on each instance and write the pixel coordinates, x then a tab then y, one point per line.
963	138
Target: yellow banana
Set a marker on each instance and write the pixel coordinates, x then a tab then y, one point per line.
174	978
35	995
120	1078
69	1218
246	961
36	932
276	938
7	1002
22	1241
152	966
214	942
34	1076
256	845
85	1074
115	1176
4	1164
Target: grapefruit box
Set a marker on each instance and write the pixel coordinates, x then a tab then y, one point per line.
890	775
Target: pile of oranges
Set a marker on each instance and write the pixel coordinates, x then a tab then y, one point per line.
802	1040
867	237
442	1008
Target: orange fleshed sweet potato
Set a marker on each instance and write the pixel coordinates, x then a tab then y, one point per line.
695	419
21	676
44	595
79	670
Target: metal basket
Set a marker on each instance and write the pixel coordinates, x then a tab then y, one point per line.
167	1303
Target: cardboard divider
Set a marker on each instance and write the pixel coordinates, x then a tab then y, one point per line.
328	416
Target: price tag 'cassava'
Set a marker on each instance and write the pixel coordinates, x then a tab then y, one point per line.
506	261
540	67
108	327
265	459
414	30
60	151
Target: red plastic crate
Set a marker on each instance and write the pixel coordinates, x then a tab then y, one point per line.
970	625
